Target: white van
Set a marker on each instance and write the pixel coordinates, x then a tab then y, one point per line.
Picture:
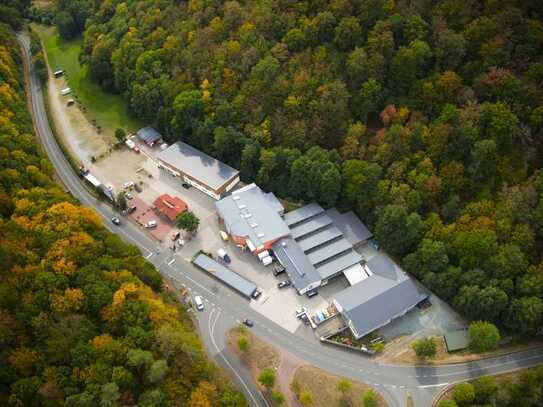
151	224
65	91
199	303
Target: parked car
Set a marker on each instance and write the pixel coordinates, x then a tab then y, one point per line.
131	209
248	322
312	293
128	184
300	312
151	224
136	149
305	319
256	294
70	102
180	242
58	73
185	185
278	269
284	284
116	220
176	235
128	195
199	303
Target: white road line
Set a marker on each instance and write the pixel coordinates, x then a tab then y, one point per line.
433	385
171	262
149	255
211	329
195	282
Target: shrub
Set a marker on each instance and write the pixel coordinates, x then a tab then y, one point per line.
483	336
464	394
425	348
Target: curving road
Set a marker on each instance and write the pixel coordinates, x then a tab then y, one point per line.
224	308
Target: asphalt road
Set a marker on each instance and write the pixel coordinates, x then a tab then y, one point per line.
224	308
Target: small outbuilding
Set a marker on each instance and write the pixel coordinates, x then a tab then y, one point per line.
170	206
149	136
456	340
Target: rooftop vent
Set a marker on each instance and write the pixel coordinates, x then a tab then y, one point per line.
242	206
236	197
260	235
254	225
284	244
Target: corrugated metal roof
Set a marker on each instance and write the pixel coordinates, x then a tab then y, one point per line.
148	135
251	213
328	251
319	238
300	270
350	225
303	213
227	276
334	266
200	166
310	226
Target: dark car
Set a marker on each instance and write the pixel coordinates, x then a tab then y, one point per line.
116	220
185	185
248	322
283	284
131	209
256	294
278	270
312	293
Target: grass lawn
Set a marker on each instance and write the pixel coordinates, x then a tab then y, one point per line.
110	111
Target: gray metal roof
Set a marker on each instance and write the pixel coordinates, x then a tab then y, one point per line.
300	270
303	213
350	225
328	251
319	238
251	213
148	135
312	225
274	203
200	166
334	266
227	276
375	301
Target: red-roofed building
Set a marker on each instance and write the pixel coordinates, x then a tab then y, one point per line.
170	206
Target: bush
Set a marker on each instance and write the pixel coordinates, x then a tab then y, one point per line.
483	336
243	343
120	135
278	398
369	398
305	398
425	348
447	403
464	394
267	378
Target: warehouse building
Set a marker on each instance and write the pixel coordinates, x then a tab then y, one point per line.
252	218
320	246
198	169
387	293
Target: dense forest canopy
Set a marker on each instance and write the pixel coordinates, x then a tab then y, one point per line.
83	321
426	117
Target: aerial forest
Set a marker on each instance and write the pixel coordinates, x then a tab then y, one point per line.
84	319
424	117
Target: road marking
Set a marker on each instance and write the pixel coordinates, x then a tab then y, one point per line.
149	255
211	328
433	385
171	262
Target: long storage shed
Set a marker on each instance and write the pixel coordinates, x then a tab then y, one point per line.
227	276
